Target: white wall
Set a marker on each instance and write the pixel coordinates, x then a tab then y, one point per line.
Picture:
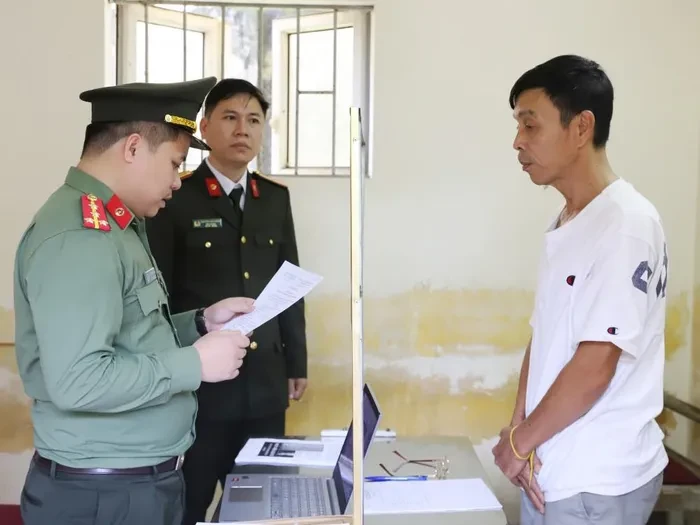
49	53
448	206
46	62
452	225
450	209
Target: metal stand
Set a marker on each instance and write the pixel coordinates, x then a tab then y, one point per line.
356	215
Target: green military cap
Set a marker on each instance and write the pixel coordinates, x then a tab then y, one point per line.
176	103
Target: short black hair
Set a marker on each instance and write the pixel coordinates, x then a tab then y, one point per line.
573	84
99	137
230	87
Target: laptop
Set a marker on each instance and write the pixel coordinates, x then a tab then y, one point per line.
249	497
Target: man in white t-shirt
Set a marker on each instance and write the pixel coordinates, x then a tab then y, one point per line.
591	383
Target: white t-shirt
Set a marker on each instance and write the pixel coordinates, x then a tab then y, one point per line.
603	277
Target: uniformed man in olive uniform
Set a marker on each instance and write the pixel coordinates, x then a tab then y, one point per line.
110	371
226	233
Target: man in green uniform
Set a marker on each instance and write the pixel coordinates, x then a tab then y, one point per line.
111	373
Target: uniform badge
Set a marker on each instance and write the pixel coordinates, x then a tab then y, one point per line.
254	188
207	223
185	174
94	213
213	187
119	212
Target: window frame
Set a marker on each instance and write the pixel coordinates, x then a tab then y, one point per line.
130	14
361	20
358	14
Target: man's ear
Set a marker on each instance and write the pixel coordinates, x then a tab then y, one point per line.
204	128
132	144
585	127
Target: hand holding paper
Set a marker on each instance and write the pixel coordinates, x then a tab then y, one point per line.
286	287
222	312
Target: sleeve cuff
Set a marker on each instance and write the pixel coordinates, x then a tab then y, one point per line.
296	370
186	328
626	345
185	369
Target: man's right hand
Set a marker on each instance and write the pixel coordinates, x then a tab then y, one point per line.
221	354
531	487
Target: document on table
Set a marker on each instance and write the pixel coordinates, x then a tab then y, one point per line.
432	496
286	287
289	452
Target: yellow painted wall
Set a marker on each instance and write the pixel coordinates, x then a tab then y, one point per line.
15	425
426	355
415	387
421	377
452	226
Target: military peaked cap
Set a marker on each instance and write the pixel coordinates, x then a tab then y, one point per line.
174	103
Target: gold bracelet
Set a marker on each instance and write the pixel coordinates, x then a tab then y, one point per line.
530	458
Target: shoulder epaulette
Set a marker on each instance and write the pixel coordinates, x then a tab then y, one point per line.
268	179
185	174
94	216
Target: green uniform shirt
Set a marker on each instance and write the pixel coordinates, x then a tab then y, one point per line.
98	352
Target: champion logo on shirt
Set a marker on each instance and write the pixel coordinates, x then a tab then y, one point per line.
612	330
570	280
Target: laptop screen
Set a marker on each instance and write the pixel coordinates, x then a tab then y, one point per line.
342	474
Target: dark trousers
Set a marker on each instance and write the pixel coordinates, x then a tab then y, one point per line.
102	499
213	454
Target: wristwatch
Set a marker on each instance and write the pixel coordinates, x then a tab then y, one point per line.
199	322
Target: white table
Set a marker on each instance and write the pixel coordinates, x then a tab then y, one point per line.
463	463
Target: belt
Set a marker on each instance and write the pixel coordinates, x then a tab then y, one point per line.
166	466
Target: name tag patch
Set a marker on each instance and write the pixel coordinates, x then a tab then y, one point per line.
207	223
149	275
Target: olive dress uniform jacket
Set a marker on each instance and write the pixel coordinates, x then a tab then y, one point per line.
111	373
207	252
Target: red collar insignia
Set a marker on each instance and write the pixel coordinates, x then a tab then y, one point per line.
94	213
254	188
213	187
119	212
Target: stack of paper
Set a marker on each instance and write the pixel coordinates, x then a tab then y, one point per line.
432	496
289	452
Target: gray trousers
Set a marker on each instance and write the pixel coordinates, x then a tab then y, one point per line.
72	499
633	508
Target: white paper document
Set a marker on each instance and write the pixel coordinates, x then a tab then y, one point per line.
289	452
432	496
286	287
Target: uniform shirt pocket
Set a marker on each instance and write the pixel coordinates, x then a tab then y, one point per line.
150	297
203	241
265	256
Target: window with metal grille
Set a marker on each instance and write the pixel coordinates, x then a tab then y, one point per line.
311	61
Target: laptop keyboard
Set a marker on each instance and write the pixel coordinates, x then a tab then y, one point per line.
298	497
